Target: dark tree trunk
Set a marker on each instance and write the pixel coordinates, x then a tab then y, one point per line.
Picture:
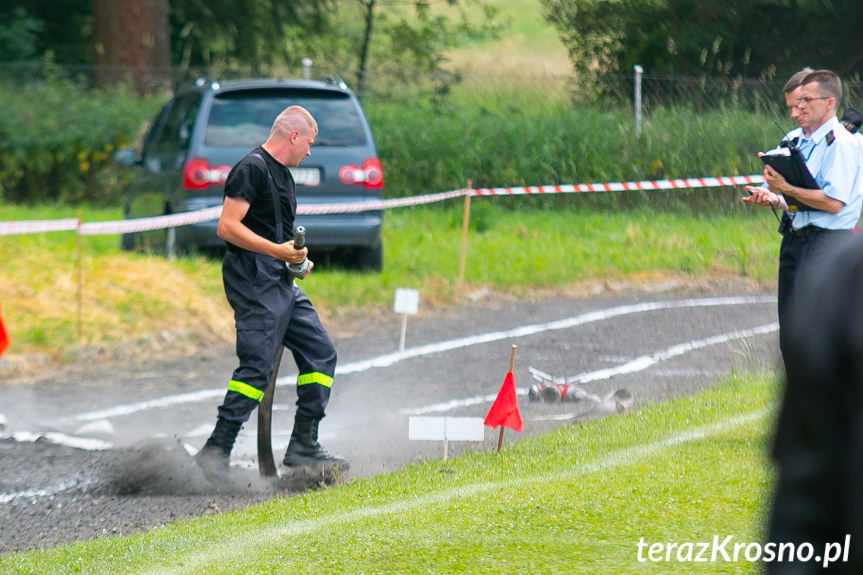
131	42
369	6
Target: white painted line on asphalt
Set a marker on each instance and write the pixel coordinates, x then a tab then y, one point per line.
390	359
532	329
37	493
558	417
638	364
87	443
688	373
643	362
225	550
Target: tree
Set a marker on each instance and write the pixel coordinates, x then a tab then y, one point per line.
130	36
253	34
411	48
748	38
18	35
240	38
32	29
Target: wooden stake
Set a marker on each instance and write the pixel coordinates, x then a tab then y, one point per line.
511	364
79	264
464	228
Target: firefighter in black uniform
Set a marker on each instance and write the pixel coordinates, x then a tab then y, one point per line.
269	309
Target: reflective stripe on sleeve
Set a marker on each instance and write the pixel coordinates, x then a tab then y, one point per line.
315	377
246	389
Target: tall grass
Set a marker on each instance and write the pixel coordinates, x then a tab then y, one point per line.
535	135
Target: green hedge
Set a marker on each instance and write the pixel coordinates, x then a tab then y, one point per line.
533	135
57	138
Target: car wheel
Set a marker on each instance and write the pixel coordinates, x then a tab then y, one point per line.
370	258
130	242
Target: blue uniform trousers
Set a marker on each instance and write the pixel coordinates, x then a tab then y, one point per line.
269	310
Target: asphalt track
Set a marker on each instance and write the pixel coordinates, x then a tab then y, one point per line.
65	437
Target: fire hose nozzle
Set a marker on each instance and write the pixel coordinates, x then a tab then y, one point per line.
298	270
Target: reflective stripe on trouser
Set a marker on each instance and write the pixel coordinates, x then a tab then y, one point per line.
245	389
270	311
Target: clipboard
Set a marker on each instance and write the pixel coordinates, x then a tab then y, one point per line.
794	170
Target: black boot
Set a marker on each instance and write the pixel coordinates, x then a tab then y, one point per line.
304	449
214	458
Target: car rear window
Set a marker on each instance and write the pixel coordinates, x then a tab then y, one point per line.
243	118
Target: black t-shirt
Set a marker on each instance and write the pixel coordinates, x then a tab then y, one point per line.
248	179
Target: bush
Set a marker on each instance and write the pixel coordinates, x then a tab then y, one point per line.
57	137
535	135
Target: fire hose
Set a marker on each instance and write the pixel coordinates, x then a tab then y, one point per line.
266	462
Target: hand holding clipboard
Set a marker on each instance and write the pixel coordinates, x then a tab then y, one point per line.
788	162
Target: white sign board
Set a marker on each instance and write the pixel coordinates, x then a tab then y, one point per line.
407	301
446	429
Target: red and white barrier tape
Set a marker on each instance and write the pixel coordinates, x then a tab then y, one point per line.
37	226
352	207
154	223
209	214
646	185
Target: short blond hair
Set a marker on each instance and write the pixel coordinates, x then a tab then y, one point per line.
829	84
293	118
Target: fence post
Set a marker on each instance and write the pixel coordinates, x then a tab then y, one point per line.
171	243
80	264
464	227
638	71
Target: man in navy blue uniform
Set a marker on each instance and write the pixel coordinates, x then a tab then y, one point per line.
827	215
817	438
257	225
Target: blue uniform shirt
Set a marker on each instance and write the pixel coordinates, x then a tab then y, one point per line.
836	163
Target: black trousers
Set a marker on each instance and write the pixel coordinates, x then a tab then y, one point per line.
269	311
818	441
800	251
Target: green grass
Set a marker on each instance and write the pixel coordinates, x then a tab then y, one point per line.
574	501
530	251
526	44
493	135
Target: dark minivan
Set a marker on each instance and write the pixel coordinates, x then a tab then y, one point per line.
207	128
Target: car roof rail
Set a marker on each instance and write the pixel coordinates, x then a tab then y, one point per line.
207	81
335	80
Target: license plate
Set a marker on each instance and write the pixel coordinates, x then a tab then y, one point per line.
306	176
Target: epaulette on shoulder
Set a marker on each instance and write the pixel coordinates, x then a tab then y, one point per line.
829	137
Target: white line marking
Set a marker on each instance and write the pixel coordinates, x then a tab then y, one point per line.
559	417
390	359
643	362
232	545
638	364
456	403
87	443
532	329
37	493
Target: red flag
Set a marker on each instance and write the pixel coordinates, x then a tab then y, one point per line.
504	410
4	337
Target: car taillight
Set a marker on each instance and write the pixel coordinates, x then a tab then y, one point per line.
199	174
369	174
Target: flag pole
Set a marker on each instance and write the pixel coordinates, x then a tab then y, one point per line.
511	364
